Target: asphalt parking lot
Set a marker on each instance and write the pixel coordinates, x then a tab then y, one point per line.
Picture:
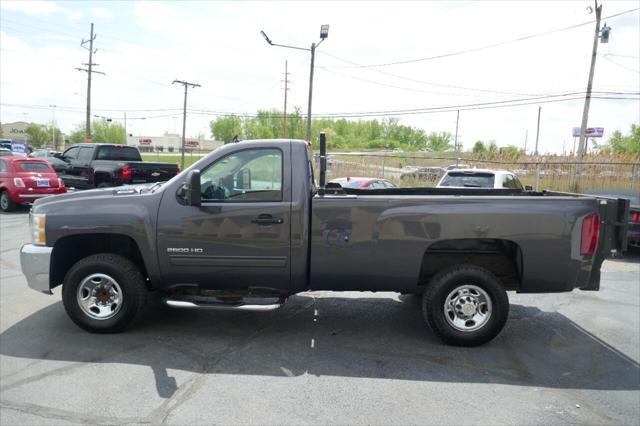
325	357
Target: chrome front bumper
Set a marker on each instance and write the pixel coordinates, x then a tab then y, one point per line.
35	261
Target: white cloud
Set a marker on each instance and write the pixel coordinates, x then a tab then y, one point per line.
101	12
39	7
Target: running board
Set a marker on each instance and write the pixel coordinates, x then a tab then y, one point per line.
241	306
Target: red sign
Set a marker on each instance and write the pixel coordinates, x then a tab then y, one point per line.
144	141
192	143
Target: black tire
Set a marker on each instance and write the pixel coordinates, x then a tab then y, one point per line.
448	280
125	274
104	185
6	203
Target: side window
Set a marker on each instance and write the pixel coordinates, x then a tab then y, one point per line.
378	184
249	175
511	182
72	153
85	154
3	166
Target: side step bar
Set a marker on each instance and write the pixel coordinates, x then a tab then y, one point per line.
240	306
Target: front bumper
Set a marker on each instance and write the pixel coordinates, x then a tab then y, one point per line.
35	261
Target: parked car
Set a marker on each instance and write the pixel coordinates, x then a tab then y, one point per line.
44	153
245	228
363	183
633	231
430	174
479	178
85	166
4	152
24	180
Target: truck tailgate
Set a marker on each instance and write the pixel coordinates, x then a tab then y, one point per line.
143	172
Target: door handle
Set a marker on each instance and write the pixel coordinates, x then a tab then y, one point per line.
267	219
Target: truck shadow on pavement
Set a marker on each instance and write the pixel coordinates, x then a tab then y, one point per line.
326	336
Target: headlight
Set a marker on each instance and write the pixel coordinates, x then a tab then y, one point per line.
37	229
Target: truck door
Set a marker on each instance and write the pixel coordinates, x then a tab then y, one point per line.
64	167
81	167
240	235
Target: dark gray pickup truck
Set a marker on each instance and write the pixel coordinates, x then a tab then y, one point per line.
245	227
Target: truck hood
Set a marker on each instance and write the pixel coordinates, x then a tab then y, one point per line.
120	191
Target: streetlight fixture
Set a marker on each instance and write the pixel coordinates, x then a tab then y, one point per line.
324	33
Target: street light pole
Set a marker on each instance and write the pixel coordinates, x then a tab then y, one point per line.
324	33
313	56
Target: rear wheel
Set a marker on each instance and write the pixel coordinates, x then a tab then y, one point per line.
465	305
6	203
103	293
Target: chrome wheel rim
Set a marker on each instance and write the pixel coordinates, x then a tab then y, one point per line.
467	308
4	201
99	296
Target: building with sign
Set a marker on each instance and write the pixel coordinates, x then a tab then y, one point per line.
171	142
15	131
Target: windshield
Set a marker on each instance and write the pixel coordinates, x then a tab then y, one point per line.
118	153
475	180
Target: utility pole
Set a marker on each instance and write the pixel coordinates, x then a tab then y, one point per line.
526	136
186	84
286	89
538	131
53	121
455	143
587	100
89	70
126	138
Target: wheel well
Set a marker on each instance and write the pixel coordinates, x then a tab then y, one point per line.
69	250
503	258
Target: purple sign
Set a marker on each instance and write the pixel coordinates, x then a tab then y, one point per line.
592	132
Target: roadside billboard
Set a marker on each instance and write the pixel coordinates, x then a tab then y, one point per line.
592	132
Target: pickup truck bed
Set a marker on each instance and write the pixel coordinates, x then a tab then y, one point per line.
246	223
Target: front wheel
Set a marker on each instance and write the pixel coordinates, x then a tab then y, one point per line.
465	305
103	293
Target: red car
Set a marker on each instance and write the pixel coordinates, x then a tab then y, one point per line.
23	180
363	183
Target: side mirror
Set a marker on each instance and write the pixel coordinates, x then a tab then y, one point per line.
244	179
528	188
190	190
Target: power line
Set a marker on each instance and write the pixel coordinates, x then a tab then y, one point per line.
489	46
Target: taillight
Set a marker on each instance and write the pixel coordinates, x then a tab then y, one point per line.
590	232
18	182
178	170
60	183
126	173
635	216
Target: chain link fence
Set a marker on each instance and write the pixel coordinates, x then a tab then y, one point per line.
551	173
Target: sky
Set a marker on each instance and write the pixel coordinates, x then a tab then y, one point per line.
379	57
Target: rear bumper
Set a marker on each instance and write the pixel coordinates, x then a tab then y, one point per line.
24	195
35	261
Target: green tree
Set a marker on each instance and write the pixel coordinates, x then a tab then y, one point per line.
511	150
37	135
479	148
1	132
77	136
225	128
106	132
439	142
624	144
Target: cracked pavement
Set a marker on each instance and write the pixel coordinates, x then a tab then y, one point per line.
357	358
